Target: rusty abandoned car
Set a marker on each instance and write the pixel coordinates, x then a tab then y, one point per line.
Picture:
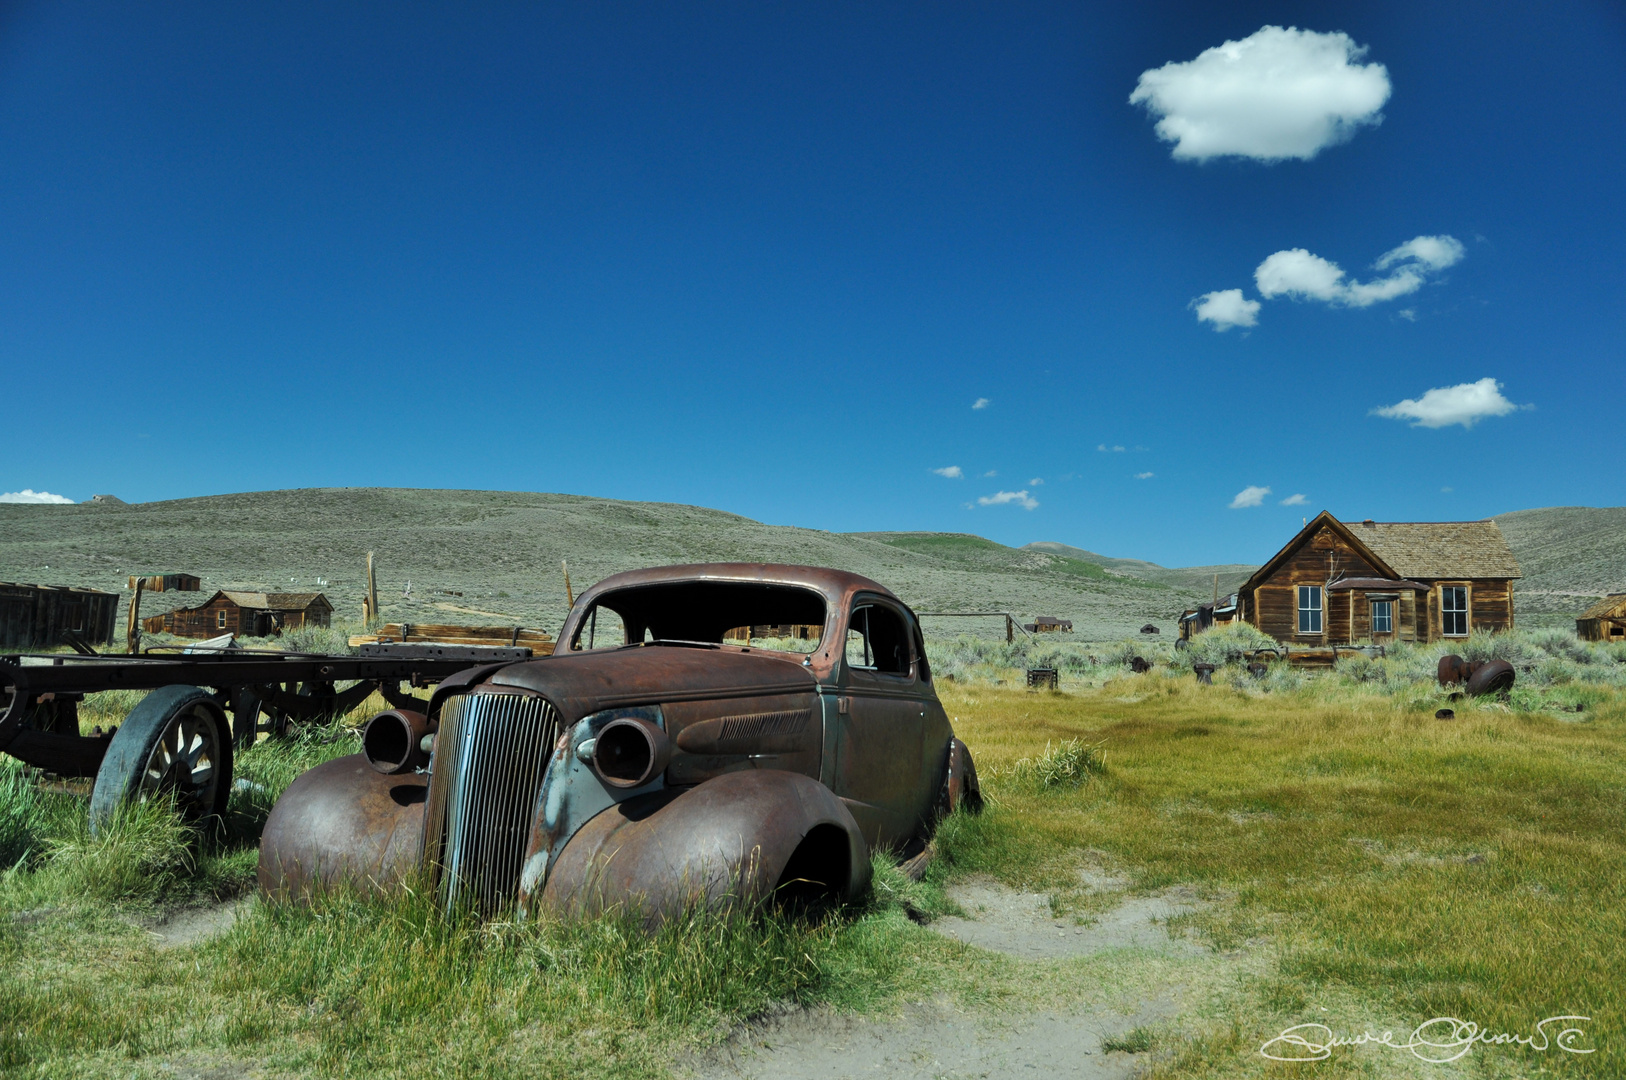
664	755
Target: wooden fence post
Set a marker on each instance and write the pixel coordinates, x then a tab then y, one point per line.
132	627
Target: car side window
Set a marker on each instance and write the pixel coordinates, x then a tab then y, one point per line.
602	629
878	640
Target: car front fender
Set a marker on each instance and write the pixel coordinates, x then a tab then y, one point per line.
343	821
738	838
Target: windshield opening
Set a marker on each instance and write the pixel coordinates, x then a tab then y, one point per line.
784	618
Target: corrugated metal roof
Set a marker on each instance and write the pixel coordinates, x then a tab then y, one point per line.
1439	549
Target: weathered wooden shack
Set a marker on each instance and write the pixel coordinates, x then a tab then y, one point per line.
1339	583
1048	624
1604	621
246	614
40	616
167	582
1194	621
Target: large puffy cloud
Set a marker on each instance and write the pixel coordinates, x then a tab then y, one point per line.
1274	95
1465	404
1000	498
1226	308
29	495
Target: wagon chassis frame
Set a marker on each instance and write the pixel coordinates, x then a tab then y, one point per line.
298	687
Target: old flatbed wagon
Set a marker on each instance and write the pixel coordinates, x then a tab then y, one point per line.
178	740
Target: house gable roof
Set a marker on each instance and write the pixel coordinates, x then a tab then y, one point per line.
1612	606
1315	525
1431	550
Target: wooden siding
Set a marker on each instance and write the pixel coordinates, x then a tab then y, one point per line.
36	616
222	615
1346	615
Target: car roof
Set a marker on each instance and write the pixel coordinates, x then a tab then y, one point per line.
835	585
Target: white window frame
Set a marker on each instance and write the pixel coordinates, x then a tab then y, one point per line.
1464	611
1388	616
220	618
1318	609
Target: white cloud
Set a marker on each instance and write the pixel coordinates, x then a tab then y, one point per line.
1294	500
1299	275
990	472
1144	475
29	495
1249	496
1105	449
1465	404
1036	481
951	471
1226	308
1274	95
1000	498
981	403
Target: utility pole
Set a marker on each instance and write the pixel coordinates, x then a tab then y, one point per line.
370	609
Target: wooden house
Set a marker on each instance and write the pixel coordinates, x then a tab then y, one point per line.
1604	621
168	583
1048	624
246	614
1195	620
1339	583
40	616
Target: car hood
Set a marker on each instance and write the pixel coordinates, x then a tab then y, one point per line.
579	684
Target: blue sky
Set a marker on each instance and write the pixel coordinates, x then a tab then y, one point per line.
767	258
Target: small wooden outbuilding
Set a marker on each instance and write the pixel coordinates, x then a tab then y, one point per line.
40	616
1604	621
246	614
1048	624
1339	583
167	582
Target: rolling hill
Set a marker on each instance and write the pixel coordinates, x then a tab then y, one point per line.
501	551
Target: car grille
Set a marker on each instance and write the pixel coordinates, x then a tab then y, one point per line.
491	752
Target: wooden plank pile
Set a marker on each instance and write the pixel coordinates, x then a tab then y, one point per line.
538	641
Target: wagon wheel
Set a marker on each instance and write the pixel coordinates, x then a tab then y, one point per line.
176	743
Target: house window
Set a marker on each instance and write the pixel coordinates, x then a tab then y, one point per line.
1454	610
220	619
1383	616
1309	609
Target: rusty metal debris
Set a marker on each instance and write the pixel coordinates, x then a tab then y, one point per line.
667	768
1476	678
1140	665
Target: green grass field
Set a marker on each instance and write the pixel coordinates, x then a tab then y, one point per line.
1365	865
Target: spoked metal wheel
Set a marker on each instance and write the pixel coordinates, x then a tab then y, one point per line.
175	744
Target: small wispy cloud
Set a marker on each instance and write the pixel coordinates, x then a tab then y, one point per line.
1001	498
1294	500
1144	475
1226	308
981	403
29	495
951	471
1249	496
1036	481
1465	404
1105	449
989	473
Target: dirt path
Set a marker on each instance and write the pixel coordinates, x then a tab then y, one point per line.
944	1041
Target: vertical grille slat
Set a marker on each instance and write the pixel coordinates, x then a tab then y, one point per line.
491	753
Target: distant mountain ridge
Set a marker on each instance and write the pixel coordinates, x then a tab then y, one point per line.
1196	578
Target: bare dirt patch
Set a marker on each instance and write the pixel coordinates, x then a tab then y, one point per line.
1132	975
187	926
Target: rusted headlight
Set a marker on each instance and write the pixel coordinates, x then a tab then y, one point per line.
630	752
395	742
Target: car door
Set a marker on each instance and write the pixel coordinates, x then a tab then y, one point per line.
881	768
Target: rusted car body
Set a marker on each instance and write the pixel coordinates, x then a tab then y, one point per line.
676	766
